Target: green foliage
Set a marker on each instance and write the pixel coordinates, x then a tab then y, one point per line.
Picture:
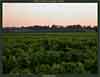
50	53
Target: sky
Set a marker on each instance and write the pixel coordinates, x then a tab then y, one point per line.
29	14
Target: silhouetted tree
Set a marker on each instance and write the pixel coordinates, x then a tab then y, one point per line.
57	28
95	28
54	26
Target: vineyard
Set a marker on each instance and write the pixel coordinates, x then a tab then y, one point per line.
50	53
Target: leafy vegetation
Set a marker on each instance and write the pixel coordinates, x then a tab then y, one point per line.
50	53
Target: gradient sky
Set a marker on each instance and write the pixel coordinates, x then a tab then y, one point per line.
28	14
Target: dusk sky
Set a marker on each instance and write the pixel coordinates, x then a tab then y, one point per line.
29	14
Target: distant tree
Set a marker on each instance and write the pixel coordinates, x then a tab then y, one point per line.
89	27
61	27
54	26
95	28
46	28
69	27
78	26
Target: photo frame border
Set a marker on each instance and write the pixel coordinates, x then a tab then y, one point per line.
57	75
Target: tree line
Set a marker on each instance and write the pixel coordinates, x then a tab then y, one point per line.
53	28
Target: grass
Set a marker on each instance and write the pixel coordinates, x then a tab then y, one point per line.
50	53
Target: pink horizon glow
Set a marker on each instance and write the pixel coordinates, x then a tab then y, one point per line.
15	15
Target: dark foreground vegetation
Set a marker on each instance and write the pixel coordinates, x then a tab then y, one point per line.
50	53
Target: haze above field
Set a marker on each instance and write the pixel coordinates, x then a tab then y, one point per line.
28	14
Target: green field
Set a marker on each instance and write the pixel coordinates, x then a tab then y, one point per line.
50	53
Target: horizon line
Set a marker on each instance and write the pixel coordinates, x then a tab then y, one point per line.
51	25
